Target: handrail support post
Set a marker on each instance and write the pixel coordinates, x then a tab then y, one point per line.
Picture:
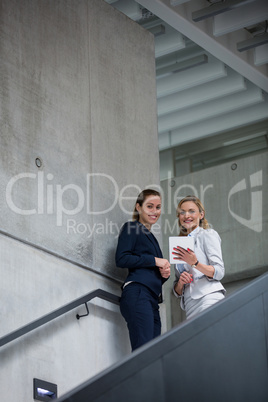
83	315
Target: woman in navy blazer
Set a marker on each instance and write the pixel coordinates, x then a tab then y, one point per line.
139	251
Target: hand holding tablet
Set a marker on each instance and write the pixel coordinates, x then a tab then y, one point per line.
181	241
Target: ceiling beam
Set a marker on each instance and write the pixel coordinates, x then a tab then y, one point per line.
178	18
228	85
217	8
174	3
168	43
240	18
261	55
252	43
218	124
128	7
198	75
182	65
226	138
191	50
207	110
157	30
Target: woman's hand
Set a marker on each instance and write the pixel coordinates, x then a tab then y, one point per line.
190	258
185	278
164	267
186	255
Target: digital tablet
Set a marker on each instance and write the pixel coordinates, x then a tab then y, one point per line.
182	241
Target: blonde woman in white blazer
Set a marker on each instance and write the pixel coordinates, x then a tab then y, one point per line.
198	278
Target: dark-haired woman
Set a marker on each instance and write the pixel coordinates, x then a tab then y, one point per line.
198	278
139	251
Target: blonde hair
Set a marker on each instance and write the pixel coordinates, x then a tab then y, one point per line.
203	223
140	200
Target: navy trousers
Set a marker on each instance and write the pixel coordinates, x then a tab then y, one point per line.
139	307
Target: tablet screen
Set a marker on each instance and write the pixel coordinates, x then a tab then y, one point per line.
182	241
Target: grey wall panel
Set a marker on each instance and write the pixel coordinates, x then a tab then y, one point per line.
222	362
123	122
235	206
265	308
130	389
72	94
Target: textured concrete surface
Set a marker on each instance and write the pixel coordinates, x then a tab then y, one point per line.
65	351
78	142
72	94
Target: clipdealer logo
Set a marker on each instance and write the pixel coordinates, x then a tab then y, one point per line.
255	221
52	199
49	198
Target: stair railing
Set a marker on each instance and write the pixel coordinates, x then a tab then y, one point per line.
102	294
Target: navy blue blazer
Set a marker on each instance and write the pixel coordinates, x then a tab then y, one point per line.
136	250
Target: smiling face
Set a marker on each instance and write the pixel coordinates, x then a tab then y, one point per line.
149	211
189	216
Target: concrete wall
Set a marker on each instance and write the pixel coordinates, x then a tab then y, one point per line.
78	136
234	197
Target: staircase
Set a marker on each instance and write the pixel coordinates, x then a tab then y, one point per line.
219	356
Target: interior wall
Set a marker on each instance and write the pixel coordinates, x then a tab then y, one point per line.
78	142
72	94
234	196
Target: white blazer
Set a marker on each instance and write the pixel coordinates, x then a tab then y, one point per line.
208	251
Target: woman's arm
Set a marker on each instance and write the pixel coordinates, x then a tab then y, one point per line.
190	258
184	278
127	255
212	248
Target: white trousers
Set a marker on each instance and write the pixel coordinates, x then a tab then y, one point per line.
196	306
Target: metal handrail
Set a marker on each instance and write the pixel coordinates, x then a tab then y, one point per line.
102	294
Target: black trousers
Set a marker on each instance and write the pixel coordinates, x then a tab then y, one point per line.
139	307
